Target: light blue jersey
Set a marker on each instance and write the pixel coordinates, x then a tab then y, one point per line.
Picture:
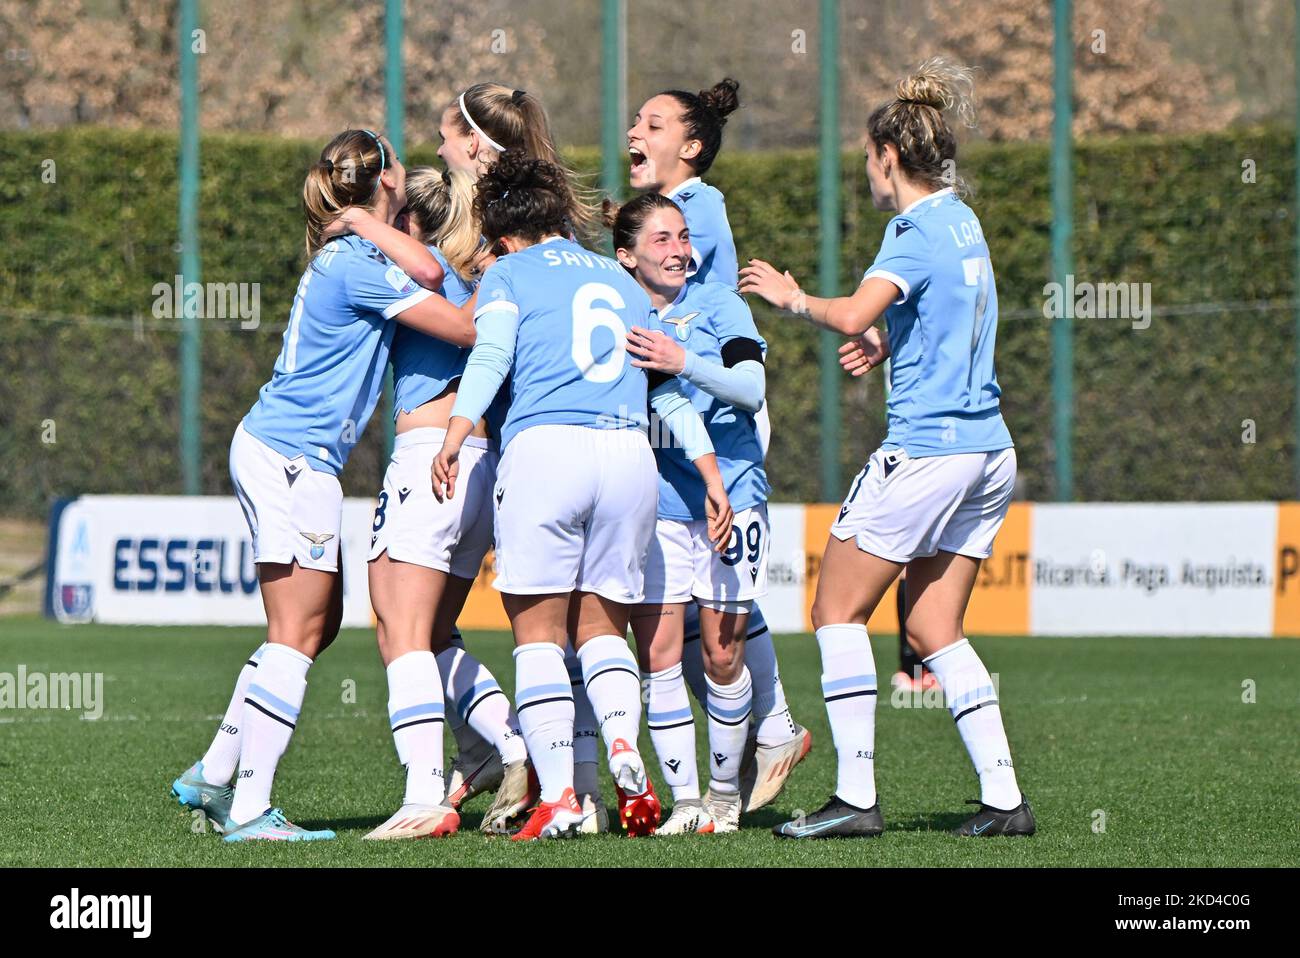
703	319
712	248
944	394
331	366
570	361
423	365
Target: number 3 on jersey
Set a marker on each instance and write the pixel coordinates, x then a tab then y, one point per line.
588	317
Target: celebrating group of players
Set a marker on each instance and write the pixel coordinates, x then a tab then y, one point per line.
526	371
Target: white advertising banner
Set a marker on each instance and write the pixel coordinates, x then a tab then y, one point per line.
787	570
173	560
1152	569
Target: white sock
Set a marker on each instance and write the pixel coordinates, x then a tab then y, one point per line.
468	741
672	731
222	756
271	709
973	702
477	701
545	703
586	733
728	707
772	722
613	684
849	687
415	712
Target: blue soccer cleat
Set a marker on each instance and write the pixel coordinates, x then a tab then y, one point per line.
272	826
193	791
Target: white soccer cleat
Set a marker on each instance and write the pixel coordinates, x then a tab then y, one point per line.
689	817
595	816
724	809
517	793
472	773
418	821
761	782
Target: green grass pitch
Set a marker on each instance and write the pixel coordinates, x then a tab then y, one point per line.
1133	752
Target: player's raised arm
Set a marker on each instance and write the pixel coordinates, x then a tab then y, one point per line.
412	256
847	315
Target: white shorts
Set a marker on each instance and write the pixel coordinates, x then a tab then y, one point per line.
412	526
682	565
575	510
294	512
901	508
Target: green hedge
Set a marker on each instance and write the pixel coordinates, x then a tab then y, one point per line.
1159	411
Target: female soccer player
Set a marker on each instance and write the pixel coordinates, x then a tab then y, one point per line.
479	125
933	496
673	142
715	349
286	456
424	554
488	119
576	492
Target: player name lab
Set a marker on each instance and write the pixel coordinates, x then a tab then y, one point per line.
82	691
1151	577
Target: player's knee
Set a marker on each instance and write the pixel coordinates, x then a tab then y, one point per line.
723	663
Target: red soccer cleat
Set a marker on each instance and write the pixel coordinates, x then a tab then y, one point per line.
560	819
638	807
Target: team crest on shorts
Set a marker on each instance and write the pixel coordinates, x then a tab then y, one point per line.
317	540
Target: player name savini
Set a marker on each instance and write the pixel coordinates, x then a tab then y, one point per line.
76	911
83	691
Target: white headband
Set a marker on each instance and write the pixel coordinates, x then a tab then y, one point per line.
477	129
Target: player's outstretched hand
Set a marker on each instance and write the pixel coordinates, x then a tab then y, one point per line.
779	289
651	349
717	508
446	467
863	353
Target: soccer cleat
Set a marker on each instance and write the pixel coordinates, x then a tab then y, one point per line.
516	794
272	826
835	819
724	809
688	818
638	807
562	819
193	791
473	773
418	821
595	816
763	780
990	821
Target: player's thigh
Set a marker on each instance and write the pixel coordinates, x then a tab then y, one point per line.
298	604
659	630
454	595
405	597
599	615
851	583
538	618
938	591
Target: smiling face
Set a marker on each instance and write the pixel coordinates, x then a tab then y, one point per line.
661	253
658	146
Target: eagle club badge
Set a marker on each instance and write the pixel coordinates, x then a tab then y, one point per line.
682	325
317	540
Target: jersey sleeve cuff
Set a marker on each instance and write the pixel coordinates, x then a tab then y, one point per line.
893	278
496	306
419	296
